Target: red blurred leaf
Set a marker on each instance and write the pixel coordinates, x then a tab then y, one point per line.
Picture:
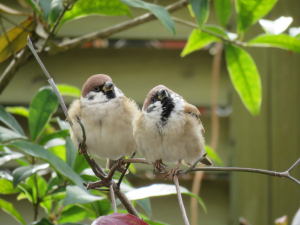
120	219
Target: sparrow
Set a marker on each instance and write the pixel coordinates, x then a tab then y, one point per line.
107	116
169	130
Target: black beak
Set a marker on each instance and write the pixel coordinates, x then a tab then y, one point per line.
162	93
109	86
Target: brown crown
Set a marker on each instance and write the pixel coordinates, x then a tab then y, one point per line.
152	93
93	81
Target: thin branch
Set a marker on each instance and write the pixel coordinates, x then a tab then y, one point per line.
7	39
193	25
185	218
95	167
15	24
36	204
77	42
124	172
113	200
293	166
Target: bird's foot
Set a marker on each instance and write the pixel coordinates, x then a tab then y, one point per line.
158	166
174	171
82	148
121	166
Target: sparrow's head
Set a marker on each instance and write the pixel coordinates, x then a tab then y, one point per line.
160	100
100	88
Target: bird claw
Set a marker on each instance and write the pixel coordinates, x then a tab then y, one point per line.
82	148
157	165
173	172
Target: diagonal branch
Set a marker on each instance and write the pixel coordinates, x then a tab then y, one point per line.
184	215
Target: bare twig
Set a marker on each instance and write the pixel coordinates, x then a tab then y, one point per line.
185	218
113	200
7	39
124	172
225	40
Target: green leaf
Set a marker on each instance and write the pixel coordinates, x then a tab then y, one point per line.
213	155
27	192
146	205
251	11
201	11
55	162
46	204
46	7
197	40
10	121
43	105
57	134
160	12
71	152
223	10
84	8
35	7
9	135
17	38
59	150
245	77
155	190
21	173
6	187
68	90
9	208
77	195
42	186
73	214
56	9
18	110
7	156
101	207
278	41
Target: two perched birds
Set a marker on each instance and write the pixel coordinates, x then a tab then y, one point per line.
168	129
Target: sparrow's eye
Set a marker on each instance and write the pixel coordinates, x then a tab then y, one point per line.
152	99
97	89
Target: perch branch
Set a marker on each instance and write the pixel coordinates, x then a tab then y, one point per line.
113	200
185	218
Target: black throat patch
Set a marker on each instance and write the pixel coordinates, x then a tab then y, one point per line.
167	107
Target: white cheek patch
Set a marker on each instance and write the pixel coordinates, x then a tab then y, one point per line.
118	92
154	112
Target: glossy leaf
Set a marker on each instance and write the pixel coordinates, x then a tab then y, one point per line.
18	110
249	12
213	155
59	149
7	10
76	195
27	192
160	12
42	221
7	156
296	219
197	40
46	204
55	162
21	173
56	9
9	208
42	186
155	190
278	41
9	135
295	32
57	134
201	10
46	7
223	10
35	7
10	121
73	214
146	205
68	90
84	8
43	105
277	26
6	187
119	218
245	77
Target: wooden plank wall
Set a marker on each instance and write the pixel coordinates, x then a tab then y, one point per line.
271	140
